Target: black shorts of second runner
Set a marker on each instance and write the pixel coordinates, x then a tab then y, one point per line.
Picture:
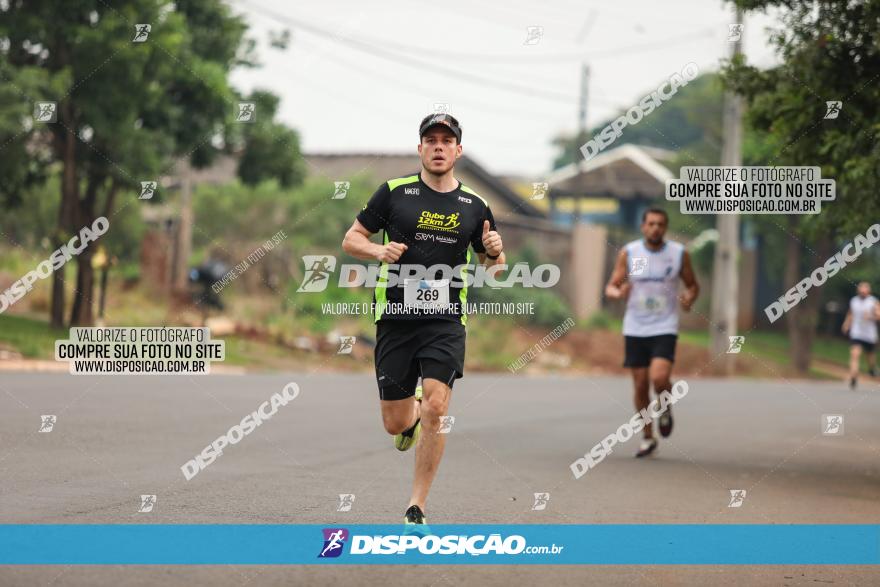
409	349
641	349
868	347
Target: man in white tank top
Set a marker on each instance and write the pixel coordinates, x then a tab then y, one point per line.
861	324
646	274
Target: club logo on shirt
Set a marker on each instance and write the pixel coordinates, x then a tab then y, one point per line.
438	221
411	191
436	238
465	200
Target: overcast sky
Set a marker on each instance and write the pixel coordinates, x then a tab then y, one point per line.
359	76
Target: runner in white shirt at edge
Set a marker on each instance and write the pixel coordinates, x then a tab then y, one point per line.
861	326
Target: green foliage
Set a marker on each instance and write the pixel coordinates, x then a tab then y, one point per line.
32	223
271	150
241	214
129	272
830	50
31	226
133	105
703	258
549	308
691	122
123	240
307	307
21	168
29	337
600	320
127	111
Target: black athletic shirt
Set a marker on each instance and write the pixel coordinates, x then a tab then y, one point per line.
437	228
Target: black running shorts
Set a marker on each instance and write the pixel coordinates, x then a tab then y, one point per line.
868	347
409	349
641	349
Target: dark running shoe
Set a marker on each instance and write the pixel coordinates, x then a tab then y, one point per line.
414	515
665	421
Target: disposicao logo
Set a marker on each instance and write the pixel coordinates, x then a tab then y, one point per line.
334	540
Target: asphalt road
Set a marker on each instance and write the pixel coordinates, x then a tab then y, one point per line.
116	438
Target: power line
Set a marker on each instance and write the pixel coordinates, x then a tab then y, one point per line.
529	54
412	84
579	54
379	50
417	88
420	64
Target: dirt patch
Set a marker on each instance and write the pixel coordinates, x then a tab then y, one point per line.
601	352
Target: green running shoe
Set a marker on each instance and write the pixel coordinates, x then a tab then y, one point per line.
408	438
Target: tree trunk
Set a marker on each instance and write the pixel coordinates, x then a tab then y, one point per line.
792	274
802	319
111	198
81	313
180	273
65	144
56	311
108	210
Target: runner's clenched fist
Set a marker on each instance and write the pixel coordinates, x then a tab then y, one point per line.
391	252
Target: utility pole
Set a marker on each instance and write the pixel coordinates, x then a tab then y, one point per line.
725	282
582	126
582	116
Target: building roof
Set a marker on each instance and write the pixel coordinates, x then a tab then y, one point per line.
338	166
625	172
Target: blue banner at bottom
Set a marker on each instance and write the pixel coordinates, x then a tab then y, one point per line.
276	544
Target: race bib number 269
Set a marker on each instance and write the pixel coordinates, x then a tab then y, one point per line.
426	293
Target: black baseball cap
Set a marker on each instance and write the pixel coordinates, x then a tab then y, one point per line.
446	120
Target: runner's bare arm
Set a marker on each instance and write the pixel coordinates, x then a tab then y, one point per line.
846	322
357	244
691	287
618	286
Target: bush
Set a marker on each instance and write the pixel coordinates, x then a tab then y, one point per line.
550	309
549	306
600	320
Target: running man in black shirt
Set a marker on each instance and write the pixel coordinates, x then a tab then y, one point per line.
429	220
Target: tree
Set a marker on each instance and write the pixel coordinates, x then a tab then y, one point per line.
130	101
690	122
269	150
830	51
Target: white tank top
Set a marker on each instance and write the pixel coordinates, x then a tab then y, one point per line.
863	326
652	307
